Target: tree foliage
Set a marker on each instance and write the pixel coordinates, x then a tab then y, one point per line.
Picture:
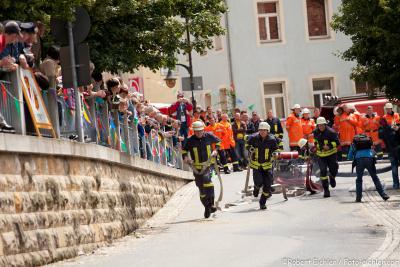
374	28
126	34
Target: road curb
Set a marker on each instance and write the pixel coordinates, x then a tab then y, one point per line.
379	210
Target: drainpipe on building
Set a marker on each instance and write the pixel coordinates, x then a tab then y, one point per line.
229	54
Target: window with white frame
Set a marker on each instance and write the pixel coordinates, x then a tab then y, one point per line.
317	18
322	87
268	21
274	98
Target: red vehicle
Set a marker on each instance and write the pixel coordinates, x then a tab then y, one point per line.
361	102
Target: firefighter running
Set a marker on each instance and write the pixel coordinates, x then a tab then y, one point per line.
200	147
326	142
264	145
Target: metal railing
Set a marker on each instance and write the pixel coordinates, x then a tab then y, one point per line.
101	125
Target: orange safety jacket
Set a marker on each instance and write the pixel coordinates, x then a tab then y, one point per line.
294	129
214	130
191	132
358	116
392	119
370	126
227	140
347	128
308	128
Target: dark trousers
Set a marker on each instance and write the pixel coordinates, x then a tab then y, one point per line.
206	188
184	131
229	153
241	152
344	153
263	178
369	164
394	162
326	163
379	151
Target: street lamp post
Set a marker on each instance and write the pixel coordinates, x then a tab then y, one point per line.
170	80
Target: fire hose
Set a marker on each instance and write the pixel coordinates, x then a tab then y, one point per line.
206	166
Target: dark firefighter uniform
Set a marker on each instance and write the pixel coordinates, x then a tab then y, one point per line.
261	163
200	150
276	130
327	158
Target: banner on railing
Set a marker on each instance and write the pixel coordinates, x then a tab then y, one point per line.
34	100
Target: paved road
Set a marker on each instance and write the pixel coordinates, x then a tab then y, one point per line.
304	228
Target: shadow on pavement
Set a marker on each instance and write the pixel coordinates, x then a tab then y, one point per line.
191	221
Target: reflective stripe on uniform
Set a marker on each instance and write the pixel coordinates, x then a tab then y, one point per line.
265	194
208	185
324	178
202	196
327	153
266	153
196	156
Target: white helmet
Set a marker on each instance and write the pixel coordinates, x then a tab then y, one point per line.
351	106
296	106
321	120
306	111
302	142
198	126
264	126
388	105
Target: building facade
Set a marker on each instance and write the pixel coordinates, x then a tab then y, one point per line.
282	52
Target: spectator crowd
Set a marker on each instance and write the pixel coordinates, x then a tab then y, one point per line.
21	45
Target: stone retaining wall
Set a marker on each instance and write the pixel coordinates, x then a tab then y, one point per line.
54	207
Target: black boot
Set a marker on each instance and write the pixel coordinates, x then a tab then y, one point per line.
332	181
325	185
226	170
263	207
236	168
385	197
256	191
207	212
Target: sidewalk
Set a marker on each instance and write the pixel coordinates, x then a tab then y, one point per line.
386	214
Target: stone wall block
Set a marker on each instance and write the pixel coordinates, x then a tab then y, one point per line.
10	242
7	202
9	164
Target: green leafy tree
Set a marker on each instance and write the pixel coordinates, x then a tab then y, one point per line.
126	34
374	28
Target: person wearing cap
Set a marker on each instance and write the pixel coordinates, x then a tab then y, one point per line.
308	125
370	126
326	142
294	128
201	147
391	136
180	110
348	124
264	145
276	128
391	117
